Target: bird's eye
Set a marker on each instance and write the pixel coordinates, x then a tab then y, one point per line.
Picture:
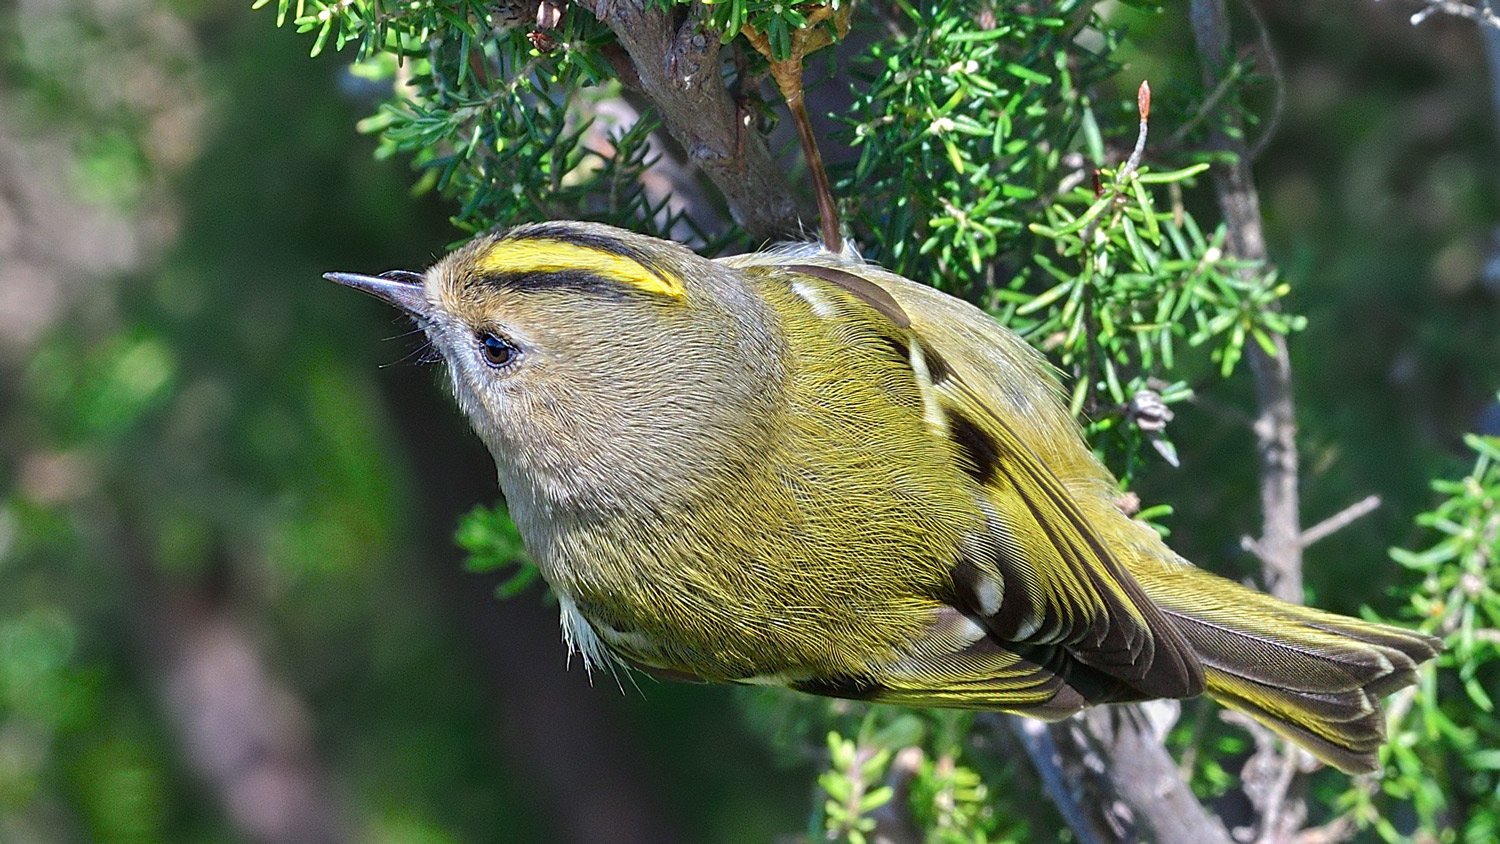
497	350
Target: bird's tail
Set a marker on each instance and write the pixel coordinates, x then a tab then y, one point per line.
1314	677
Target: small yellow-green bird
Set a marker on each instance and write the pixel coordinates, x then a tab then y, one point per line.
796	469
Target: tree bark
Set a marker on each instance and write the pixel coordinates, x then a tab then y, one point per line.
1280	543
1113	781
248	735
679	71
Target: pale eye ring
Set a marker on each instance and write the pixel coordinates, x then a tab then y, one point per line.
496	350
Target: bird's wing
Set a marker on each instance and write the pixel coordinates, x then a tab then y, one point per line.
1060	582
1042	579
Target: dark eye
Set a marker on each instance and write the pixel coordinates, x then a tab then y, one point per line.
497	350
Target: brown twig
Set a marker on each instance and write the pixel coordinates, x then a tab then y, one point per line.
1109	774
1281	814
788	75
1322	530
1340	520
679	71
1340	829
1143	108
828	210
1118	184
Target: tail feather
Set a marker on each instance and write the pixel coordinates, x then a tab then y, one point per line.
1314	677
1352	747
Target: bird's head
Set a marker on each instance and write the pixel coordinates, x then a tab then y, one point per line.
605	370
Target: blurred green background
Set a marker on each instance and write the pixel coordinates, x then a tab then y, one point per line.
231	607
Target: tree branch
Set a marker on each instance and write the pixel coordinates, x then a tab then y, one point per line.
1269	781
1340	520
679	71
1069	794
1481	14
1113	781
247	734
1280	545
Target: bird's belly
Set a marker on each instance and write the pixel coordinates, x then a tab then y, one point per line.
773	600
721	653
769	642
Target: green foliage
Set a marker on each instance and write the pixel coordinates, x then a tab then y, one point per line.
506	129
980	105
1444	755
1130	282
991	114
203	441
493	544
955	806
851	783
887	765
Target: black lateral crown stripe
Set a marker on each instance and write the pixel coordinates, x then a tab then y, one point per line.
587	240
573	281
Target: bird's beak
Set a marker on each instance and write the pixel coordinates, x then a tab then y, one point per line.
397	287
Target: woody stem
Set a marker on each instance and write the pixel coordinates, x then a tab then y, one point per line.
788	75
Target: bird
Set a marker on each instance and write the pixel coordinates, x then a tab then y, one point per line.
794	468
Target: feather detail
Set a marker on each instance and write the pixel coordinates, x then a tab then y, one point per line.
1314	677
1066	586
579	636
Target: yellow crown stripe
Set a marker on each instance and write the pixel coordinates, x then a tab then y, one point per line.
547	255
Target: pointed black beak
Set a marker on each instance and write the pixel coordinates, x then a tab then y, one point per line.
397	287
